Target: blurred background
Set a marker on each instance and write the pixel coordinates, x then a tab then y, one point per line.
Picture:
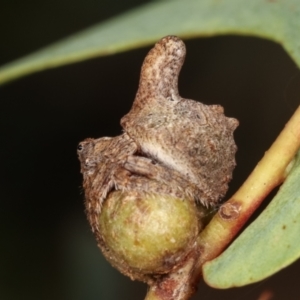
47	250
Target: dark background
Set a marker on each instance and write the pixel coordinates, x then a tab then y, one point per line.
47	250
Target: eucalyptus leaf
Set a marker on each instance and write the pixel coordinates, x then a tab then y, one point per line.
275	20
269	244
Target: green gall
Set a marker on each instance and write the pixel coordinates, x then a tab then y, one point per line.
146	233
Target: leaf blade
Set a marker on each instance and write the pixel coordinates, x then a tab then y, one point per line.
278	21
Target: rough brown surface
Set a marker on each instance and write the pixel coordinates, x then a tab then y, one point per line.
112	164
170	145
181	134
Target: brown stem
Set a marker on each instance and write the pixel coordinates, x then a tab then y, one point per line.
176	285
269	172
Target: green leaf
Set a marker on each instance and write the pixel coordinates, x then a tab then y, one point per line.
269	244
275	20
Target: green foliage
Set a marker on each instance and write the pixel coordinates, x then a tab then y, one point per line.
275	20
267	245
